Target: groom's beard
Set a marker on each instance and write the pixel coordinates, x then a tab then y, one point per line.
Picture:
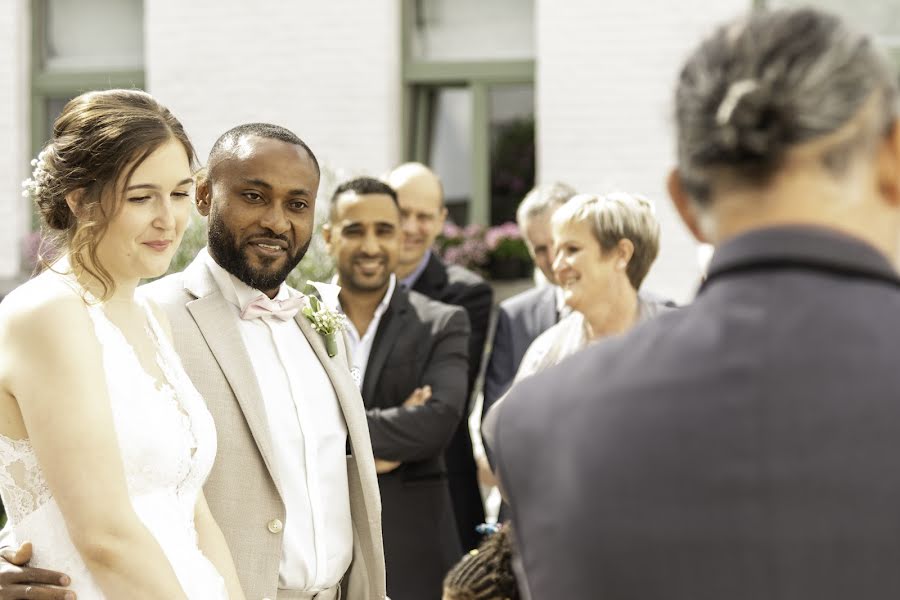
231	256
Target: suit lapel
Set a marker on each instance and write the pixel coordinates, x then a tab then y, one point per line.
215	318
433	279
388	331
548	315
366	518
344	387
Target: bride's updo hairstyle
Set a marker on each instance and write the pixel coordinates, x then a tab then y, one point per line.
98	141
763	86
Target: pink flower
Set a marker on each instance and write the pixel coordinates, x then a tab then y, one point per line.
473	230
506	231
451	230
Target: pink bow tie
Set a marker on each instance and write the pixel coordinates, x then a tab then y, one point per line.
262	306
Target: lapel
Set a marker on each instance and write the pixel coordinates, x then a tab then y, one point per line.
433	279
546	308
342	382
214	317
392	323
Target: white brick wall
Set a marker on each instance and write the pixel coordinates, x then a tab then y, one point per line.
605	79
14	210
329	71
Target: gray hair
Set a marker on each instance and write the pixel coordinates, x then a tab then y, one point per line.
762	85
541	198
617	216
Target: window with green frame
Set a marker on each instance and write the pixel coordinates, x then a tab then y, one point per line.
81	46
468	101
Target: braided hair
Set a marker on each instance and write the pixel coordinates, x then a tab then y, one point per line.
485	573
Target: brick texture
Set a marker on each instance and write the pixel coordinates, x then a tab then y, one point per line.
605	80
14	210
329	71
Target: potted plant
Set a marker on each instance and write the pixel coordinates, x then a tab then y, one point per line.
463	246
508	254
495	252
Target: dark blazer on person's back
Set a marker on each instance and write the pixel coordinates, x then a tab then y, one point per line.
520	320
418	342
743	447
452	284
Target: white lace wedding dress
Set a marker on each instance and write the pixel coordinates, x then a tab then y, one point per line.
168	442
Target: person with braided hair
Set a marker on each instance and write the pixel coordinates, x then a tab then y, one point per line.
485	573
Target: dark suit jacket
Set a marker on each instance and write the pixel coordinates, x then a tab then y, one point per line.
452	284
520	320
418	342
743	447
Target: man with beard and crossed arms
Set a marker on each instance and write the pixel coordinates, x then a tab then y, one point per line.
293	487
422	210
410	355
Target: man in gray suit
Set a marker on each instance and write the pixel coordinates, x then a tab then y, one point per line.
522	318
410	354
744	447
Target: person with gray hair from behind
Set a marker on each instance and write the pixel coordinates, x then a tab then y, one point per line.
743	447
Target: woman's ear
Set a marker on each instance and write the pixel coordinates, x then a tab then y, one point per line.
73	200
624	252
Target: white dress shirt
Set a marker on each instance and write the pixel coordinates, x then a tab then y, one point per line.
309	439
360	346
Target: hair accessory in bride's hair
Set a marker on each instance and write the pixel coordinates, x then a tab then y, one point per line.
32	186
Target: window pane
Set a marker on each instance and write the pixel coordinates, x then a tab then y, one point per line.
512	148
450	154
94	34
459	30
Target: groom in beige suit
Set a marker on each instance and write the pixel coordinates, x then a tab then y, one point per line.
293	488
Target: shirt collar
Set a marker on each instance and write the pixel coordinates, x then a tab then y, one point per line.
382	306
560	297
410	280
233	289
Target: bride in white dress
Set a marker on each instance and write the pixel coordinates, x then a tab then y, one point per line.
104	442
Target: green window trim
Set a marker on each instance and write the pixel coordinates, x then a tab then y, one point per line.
449	73
421	79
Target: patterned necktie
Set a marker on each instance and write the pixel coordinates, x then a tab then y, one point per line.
263	306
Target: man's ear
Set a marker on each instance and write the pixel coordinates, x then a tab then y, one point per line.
203	196
326	236
888	166
686	207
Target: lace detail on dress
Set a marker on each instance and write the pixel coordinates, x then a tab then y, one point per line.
20	477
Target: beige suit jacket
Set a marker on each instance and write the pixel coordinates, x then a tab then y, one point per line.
242	490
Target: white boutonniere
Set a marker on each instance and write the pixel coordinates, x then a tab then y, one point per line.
325	315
